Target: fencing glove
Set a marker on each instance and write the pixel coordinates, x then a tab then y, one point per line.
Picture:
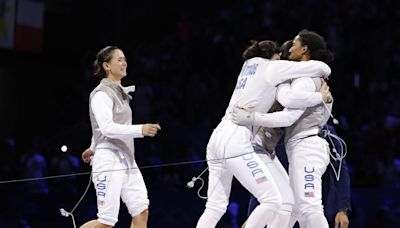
242	117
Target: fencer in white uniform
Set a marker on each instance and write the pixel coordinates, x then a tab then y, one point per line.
115	173
265	141
308	154
230	151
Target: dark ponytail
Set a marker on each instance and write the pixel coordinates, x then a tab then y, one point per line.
104	55
264	49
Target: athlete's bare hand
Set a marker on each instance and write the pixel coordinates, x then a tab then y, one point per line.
326	94
342	220
150	129
86	155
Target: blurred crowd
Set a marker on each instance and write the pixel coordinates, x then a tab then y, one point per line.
185	68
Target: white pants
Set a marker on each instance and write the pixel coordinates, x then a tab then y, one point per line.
113	179
308	160
281	178
227	141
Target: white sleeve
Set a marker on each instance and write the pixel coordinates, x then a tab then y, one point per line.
92	145
290	97
286	117
102	105
327	113
279	71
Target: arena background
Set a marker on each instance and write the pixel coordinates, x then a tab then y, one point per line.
183	57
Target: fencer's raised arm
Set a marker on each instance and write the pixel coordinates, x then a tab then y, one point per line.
280	71
101	105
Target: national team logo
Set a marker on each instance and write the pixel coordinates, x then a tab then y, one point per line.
309	181
309	194
101	186
255	169
261	179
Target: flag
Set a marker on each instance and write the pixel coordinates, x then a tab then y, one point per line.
309	194
7	19
261	179
29	27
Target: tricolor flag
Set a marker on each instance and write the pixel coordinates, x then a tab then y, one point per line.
29	28
7	19
309	194
261	179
